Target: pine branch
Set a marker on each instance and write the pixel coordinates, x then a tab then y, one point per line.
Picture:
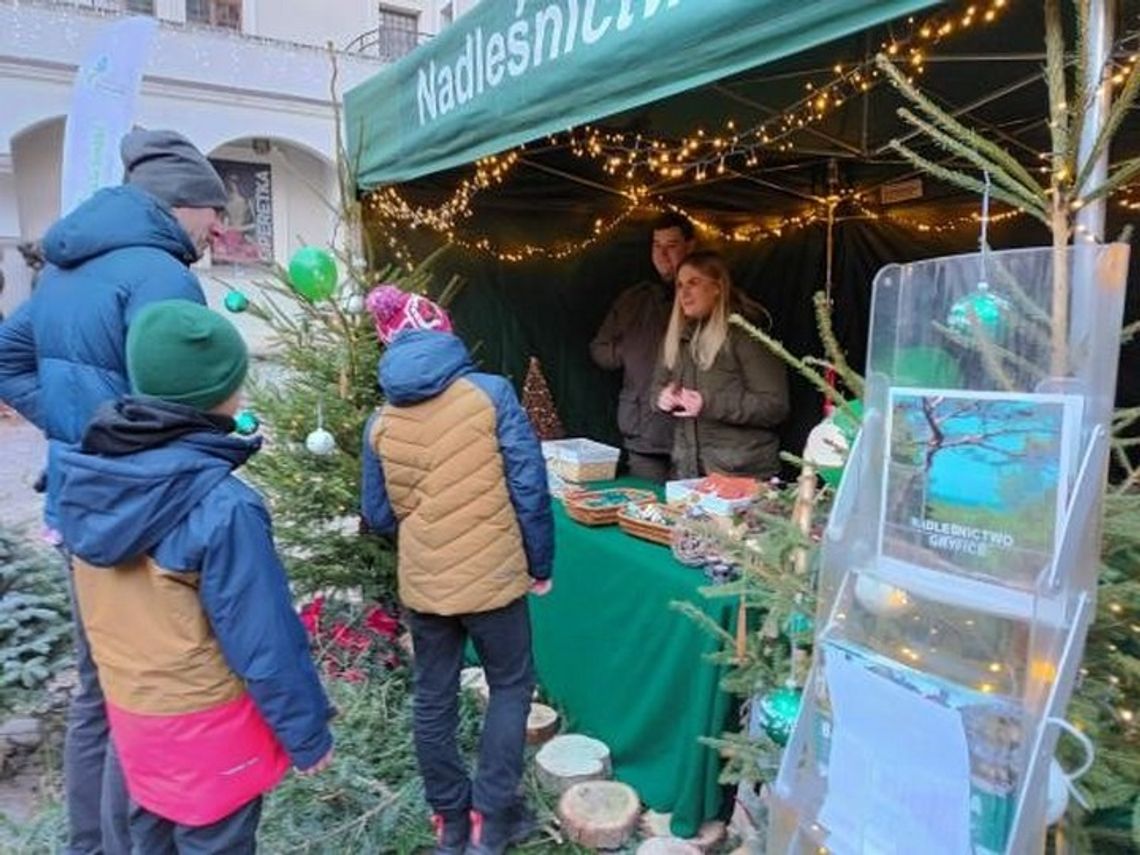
967	150
1117	179
1120	109
851	379
805	371
966	182
956	129
1058	96
1083	91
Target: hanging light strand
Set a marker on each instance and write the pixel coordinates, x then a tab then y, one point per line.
701	154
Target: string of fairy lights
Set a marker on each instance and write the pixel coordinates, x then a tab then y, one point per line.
637	159
699	154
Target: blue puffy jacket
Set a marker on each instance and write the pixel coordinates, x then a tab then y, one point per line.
156	480
62	351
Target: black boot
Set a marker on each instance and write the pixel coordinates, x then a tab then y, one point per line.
491	834
452	829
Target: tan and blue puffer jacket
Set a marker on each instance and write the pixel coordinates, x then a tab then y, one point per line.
452	462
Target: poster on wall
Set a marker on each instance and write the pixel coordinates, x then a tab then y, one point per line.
247	221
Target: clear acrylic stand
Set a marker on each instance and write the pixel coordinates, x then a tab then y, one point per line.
958	570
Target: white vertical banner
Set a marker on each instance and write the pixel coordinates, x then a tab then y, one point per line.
103	108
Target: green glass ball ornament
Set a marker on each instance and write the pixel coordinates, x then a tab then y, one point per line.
312	273
988	310
778	712
236	302
246	423
798	624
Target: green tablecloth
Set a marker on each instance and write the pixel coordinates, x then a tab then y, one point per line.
627	669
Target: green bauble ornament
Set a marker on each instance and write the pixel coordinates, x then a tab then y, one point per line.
312	273
798	624
246	423
236	302
778	712
983	307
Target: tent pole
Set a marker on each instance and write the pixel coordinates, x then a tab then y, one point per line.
1102	19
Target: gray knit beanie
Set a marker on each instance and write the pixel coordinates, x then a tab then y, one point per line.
169	167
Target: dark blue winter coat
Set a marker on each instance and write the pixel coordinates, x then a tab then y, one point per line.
156	480
62	351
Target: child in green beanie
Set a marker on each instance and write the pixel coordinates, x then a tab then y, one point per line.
210	689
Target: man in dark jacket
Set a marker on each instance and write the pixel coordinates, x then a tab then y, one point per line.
630	339
62	355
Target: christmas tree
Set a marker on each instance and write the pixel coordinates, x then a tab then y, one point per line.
539	403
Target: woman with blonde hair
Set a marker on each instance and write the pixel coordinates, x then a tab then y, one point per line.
726	390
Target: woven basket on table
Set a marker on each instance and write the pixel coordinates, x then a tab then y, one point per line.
578	505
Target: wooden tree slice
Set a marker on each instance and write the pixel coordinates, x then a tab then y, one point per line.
571	759
474	680
654	824
541	724
667	846
599	814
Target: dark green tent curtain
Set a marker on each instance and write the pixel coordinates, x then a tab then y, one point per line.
509	312
512	71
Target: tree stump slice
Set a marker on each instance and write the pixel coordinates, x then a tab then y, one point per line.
599	814
571	759
709	835
541	724
475	681
667	846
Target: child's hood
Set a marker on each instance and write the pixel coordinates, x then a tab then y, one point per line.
420	364
142	467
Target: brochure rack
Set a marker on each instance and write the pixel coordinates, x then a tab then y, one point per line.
958	570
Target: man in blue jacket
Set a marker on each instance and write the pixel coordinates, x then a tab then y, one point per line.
62	355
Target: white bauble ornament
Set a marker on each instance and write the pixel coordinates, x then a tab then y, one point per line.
1057	798
826	446
879	598
353	304
320	442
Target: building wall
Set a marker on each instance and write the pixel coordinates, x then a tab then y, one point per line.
219	87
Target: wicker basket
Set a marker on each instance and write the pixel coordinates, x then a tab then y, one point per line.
601	507
581	460
655	532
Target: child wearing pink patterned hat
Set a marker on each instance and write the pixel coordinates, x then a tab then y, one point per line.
394	311
451	462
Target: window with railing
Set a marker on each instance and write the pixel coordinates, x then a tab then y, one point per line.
398	33
214	13
140	7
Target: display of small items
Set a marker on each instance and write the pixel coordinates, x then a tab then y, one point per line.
696	544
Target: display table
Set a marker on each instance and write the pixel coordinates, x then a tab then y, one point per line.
629	670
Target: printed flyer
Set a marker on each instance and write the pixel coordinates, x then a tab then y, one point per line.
977	482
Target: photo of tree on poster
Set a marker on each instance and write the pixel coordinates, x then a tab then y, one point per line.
977	482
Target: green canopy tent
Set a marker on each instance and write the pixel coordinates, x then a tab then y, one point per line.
676	67
990	75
